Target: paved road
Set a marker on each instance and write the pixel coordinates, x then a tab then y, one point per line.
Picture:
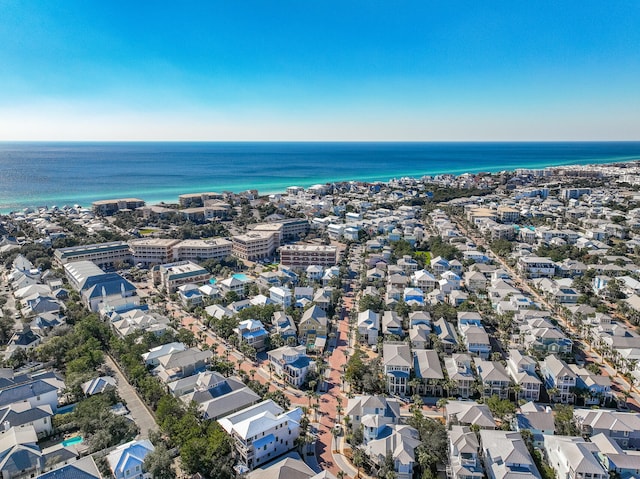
141	415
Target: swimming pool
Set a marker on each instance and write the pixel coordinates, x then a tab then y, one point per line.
72	441
241	276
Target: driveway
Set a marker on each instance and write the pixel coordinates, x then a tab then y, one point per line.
139	412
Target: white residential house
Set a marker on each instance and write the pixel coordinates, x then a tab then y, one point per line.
280	295
262	432
459	372
373	413
392	323
127	461
494	377
397	362
401	443
424	280
252	332
427	369
573	458
464	453
536	267
369	326
522	369
439	265
291	363
506	455
466	413
558	376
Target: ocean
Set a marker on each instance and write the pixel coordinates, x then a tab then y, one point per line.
48	174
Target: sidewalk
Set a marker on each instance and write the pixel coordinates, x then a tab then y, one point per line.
344	463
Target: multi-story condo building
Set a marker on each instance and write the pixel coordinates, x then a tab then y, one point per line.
300	256
507	214
194	200
255	245
102	254
170	276
151	251
202	249
262	432
110	207
288	229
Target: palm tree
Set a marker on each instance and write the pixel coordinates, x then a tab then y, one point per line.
414	384
441	404
449	385
338	412
517	389
315	408
358	459
252	373
335	433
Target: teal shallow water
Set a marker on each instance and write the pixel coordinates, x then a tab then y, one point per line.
39	174
72	441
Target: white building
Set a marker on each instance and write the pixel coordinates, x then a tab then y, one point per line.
255	245
506	455
262	432
202	249
573	458
151	251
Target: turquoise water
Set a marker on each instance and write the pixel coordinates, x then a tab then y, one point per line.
213	281
241	276
72	441
39	174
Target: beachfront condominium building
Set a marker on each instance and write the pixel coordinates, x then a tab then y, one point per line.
110	207
172	275
262	432
151	251
301	256
255	245
202	249
194	200
102	254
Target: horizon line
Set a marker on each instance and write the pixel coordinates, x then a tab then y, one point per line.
319	141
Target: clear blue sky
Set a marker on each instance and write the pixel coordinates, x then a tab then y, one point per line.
320	70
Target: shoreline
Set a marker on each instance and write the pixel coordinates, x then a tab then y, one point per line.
162	198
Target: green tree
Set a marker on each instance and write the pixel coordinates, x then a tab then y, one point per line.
159	463
564	421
